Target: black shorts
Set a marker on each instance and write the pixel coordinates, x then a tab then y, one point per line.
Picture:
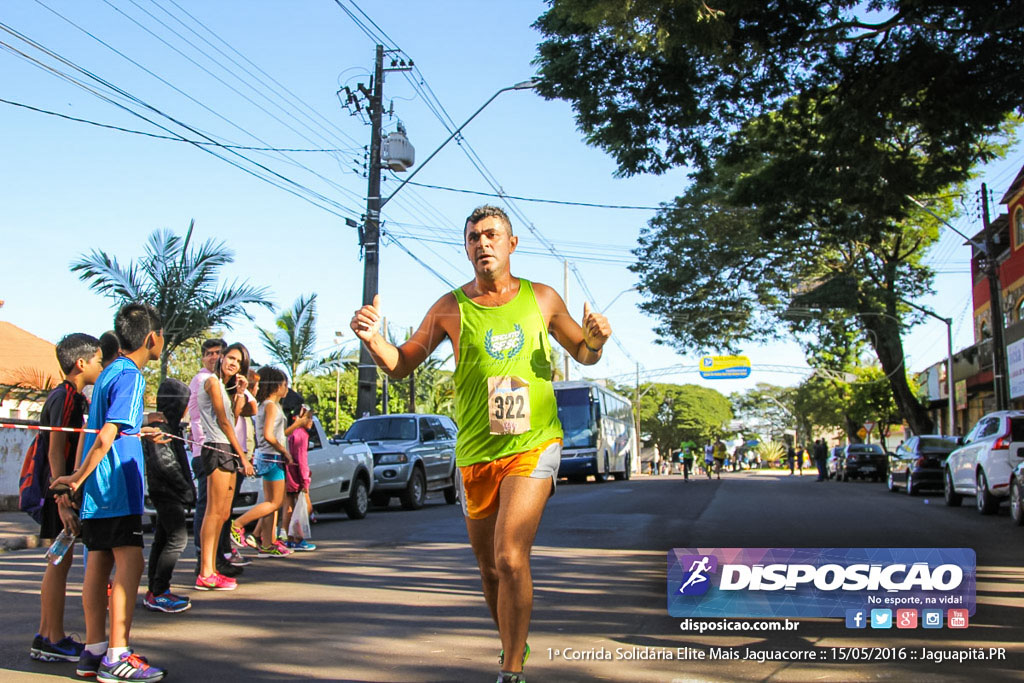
223	458
51	524
107	533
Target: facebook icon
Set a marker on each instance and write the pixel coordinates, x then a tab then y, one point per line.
856	618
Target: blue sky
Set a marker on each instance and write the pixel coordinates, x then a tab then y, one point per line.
68	188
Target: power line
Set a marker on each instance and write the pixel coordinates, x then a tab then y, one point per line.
535	199
172	138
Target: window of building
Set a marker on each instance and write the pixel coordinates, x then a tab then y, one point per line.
1018	311
1018	226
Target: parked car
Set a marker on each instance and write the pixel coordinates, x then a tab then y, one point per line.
832	463
412	454
917	464
340	474
862	460
1017	494
983	466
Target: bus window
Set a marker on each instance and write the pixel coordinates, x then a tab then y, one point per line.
574	412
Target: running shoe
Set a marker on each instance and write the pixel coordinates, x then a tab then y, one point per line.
129	668
168	602
66	649
229	570
511	677
237	559
215	582
240	538
282	535
276	550
302	545
526	655
88	664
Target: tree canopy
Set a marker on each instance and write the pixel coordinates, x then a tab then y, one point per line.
671	414
812	130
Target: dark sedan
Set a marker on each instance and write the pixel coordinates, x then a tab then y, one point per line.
917	464
862	461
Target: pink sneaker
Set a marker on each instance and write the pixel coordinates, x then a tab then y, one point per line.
215	582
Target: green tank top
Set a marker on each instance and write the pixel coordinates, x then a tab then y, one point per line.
510	340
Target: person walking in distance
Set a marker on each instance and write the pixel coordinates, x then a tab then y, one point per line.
509	443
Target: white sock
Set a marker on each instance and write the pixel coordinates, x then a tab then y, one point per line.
96	649
114	653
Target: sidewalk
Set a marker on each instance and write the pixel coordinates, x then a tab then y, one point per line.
17	531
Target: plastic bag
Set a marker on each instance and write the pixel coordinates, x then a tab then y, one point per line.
298	527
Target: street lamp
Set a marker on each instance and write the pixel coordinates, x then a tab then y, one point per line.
366	398
524	85
949	360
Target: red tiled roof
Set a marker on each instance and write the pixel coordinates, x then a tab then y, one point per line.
27	360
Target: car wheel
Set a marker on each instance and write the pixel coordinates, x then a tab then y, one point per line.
415	493
890	484
358	501
953	499
381	500
911	491
451	495
986	502
602	476
1016	504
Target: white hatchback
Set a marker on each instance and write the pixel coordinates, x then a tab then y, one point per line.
983	465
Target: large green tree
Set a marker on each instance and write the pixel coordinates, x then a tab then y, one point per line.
180	280
672	414
811	131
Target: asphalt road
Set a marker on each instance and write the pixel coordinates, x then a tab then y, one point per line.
395	597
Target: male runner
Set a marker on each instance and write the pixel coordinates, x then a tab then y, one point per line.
509	444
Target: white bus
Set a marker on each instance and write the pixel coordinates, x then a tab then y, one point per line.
598	432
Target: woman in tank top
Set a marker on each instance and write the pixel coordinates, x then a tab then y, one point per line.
271	458
222	457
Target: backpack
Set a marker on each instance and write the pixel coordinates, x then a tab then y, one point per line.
34	479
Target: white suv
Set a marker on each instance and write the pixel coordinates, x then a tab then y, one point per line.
983	465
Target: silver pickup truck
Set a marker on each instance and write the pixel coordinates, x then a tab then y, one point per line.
412	454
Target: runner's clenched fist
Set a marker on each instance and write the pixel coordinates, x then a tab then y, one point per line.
366	321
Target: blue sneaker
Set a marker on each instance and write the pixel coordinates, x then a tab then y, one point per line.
129	668
302	545
66	650
88	664
168	602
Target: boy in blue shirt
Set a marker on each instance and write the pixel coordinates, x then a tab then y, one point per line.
110	480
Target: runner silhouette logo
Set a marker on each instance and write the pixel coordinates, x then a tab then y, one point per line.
698	568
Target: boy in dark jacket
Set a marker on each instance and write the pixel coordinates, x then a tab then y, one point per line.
171	490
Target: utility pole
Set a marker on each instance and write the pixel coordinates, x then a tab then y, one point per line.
366	398
995	294
565	296
412	384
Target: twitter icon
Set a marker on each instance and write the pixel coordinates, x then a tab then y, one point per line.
881	618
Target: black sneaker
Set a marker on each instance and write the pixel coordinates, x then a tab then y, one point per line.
229	570
66	650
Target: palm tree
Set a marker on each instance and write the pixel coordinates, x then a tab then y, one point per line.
293	342
181	283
